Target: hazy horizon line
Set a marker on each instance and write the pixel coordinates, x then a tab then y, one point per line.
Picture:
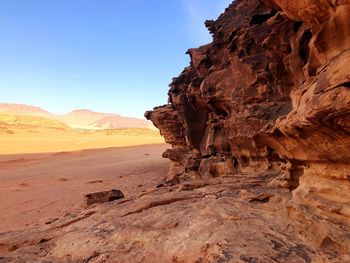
72	110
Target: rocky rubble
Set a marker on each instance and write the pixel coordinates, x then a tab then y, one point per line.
103	197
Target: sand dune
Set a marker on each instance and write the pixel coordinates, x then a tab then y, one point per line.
17	122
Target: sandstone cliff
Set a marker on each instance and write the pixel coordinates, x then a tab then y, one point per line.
271	93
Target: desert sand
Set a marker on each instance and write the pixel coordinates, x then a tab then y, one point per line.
38	141
229	219
39	188
33	134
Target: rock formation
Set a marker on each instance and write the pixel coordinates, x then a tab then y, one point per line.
271	93
103	197
260	160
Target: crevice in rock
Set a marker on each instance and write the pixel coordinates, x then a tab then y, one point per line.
297	25
260	19
295	175
304	50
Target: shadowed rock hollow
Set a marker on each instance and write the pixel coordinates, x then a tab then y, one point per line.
260	160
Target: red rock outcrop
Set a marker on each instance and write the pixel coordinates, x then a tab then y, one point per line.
260	158
271	93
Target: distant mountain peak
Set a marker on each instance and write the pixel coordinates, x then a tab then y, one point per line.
82	111
80	118
88	111
23	109
114	122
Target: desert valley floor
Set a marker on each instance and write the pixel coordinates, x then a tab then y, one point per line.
36	188
229	219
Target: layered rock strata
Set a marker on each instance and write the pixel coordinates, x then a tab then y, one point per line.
271	93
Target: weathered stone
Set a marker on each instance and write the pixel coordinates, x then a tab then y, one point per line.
271	94
103	197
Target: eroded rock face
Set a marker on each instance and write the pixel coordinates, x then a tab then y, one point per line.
233	88
271	93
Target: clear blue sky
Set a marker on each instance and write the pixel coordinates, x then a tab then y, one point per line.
106	55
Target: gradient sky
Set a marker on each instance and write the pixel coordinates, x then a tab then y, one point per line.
106	55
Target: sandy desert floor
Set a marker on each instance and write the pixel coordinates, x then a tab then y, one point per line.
38	140
38	188
229	219
43	217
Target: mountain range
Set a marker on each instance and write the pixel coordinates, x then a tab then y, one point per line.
81	118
